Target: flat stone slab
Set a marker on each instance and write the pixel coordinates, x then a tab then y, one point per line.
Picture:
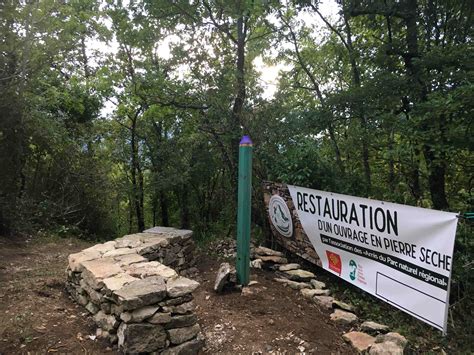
106	321
118	252
369	326
180	335
75	260
309	293
343	317
293	284
318	285
392	337
386	348
116	282
273	259
102	248
139	315
324	301
152	243
300	275
97	270
181	321
184	233
289	267
180	286
187	348
129	241
141	338
183	308
342	305
151	268
263	251
160	318
141	293
359	341
129	259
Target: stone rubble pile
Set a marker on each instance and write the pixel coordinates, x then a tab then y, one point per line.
137	298
226	248
369	340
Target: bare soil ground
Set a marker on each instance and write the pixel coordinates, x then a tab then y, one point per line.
37	316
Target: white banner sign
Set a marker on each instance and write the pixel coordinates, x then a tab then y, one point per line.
401	254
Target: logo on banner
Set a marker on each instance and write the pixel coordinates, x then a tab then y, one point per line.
280	216
353	269
334	260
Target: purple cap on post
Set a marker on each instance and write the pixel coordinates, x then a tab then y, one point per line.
246	142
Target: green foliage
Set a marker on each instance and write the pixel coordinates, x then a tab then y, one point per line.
376	100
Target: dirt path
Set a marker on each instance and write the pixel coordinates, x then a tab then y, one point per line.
36	314
271	319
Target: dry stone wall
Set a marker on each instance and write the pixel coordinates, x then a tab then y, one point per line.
299	242
132	287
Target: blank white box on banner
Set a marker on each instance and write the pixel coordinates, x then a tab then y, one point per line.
411	300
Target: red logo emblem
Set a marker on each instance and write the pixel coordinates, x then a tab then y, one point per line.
335	263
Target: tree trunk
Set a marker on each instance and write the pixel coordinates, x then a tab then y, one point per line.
130	215
436	178
436	167
164	209
237	109
391	163
184	207
359	110
137	177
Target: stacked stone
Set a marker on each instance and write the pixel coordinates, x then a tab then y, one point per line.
179	254
267	258
140	303
299	242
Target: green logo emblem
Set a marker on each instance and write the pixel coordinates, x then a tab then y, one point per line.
353	268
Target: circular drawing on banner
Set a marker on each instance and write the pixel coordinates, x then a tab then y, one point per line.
280	216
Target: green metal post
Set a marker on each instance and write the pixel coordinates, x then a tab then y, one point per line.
243	210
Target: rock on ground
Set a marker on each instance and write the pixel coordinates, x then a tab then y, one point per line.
292	284
317	284
392	337
324	301
299	275
343	317
289	267
256	264
359	341
274	259
309	293
267	251
223	276
343	305
386	348
369	326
